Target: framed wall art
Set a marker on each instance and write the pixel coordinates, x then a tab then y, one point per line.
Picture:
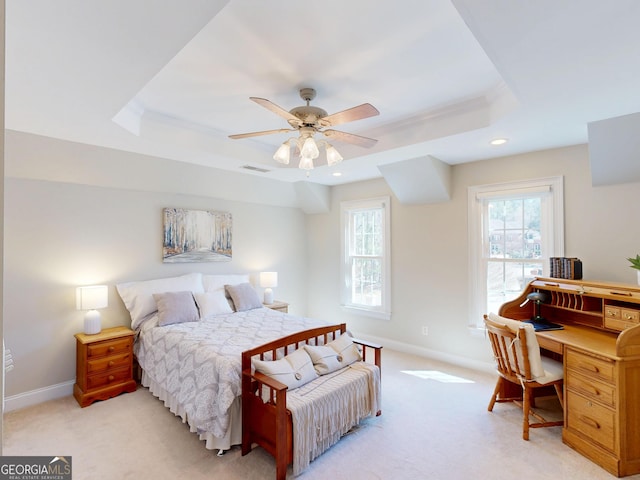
196	236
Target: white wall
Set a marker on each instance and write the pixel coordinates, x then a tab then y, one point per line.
76	214
430	249
59	235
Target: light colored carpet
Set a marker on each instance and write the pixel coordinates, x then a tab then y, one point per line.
429	429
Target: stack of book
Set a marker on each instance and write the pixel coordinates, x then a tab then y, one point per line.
565	267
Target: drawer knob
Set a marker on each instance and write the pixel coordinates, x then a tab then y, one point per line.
111	363
111	377
111	349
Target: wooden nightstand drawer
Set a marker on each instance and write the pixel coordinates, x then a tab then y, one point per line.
111	362
108	378
110	347
592	367
104	365
591	420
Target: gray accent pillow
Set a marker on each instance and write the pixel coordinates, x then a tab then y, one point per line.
244	297
176	307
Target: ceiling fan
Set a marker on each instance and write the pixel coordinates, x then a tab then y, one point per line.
309	120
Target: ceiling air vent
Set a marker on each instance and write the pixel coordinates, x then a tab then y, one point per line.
255	169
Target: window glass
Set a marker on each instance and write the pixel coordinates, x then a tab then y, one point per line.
365	249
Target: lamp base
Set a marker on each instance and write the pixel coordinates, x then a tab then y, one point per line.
92	322
268	296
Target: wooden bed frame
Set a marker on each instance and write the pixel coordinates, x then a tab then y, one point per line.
268	423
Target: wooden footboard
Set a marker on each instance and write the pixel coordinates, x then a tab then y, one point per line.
266	421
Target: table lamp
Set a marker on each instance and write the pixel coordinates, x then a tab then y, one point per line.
90	299
268	280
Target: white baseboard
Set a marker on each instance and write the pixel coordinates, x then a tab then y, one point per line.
33	397
478	365
52	392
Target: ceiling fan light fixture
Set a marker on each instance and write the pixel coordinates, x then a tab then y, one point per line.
306	163
309	149
283	154
333	156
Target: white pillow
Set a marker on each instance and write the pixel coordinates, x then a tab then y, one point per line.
175	307
214	283
535	362
347	351
212	303
138	296
334	355
294	370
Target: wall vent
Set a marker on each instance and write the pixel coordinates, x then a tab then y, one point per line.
255	169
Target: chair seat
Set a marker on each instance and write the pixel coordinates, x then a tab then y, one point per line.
553	371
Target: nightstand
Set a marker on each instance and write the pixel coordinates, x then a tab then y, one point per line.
278	305
104	365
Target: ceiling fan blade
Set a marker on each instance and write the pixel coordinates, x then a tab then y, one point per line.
350	138
269	105
264	132
365	110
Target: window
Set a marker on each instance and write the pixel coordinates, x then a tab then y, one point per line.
366	257
513	230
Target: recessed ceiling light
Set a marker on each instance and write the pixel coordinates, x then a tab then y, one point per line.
337	174
498	141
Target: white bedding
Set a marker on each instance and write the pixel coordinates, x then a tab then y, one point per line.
195	367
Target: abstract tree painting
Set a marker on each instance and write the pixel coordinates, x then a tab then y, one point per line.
196	236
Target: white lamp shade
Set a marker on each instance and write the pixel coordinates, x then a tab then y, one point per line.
282	154
306	163
309	149
269	279
92	297
333	157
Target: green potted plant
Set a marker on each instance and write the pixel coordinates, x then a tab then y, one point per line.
635	263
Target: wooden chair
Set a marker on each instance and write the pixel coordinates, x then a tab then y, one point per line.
517	355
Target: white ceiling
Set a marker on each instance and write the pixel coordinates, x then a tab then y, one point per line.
446	76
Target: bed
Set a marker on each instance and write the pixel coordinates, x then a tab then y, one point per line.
191	332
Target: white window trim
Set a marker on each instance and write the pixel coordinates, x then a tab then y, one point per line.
510	189
383	312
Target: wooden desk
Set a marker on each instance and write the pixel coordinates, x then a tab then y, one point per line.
601	366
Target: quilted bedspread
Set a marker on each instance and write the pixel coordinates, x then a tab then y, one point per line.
199	363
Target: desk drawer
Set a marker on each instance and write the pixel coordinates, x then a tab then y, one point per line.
615	324
590	419
590	388
592	367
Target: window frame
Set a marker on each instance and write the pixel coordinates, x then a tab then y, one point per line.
383	311
552	221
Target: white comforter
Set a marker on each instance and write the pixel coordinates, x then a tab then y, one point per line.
199	363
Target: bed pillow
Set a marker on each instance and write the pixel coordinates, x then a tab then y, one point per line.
325	359
214	283
334	355
294	370
212	303
244	297
175	307
138	296
347	351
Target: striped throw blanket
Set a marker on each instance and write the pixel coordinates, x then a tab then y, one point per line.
328	407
